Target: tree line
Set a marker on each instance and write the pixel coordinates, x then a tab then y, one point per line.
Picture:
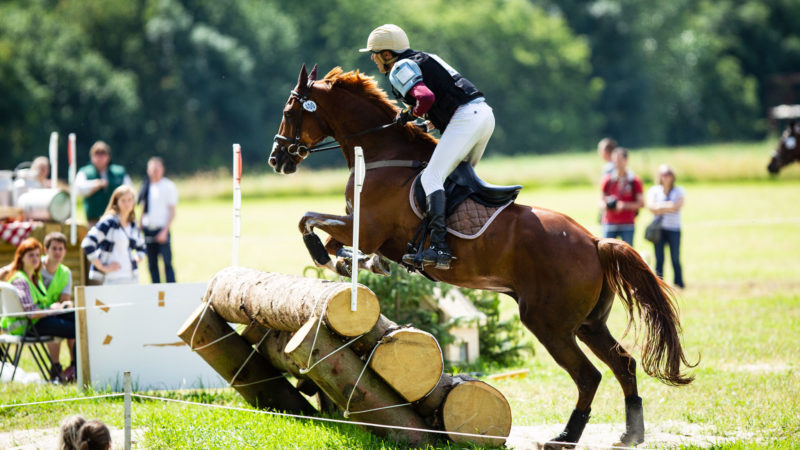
184	79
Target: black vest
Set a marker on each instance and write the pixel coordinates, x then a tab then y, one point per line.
451	91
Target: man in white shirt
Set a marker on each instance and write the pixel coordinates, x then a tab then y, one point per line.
159	197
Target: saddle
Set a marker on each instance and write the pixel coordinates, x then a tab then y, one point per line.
471	206
464	183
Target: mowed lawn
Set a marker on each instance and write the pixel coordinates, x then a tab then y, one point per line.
740	310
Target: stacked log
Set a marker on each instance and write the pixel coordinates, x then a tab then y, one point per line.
299	327
258	381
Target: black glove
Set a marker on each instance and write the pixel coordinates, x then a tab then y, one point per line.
404	116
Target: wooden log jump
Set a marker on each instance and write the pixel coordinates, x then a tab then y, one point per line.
286	302
261	384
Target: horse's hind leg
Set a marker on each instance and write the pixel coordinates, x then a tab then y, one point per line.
596	336
564	349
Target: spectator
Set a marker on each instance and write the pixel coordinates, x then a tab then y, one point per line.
94	435
666	199
621	197
604	149
40	172
68	439
159	197
26	278
57	280
115	245
96	181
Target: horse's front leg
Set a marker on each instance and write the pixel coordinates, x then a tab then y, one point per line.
339	228
340	231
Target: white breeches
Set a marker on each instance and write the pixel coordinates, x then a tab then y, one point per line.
464	139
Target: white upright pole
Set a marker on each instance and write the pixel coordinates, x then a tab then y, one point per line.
126	381
54	159
73	192
237	201
358	184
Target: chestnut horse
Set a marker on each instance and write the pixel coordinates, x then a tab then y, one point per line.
788	149
563	278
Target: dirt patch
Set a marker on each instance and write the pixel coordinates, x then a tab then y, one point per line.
602	436
48	438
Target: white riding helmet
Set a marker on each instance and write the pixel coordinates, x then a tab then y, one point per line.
387	37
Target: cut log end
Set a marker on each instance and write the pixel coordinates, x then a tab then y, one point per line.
353	323
477	408
410	361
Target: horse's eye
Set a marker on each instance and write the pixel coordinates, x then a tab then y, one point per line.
288	114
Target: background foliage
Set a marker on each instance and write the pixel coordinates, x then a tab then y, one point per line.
186	78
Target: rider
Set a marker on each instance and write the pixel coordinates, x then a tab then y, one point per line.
451	103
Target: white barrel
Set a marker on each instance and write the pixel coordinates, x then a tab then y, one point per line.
45	204
6	187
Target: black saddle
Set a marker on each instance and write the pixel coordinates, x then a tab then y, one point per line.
464	183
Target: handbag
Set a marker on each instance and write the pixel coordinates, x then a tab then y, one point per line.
653	231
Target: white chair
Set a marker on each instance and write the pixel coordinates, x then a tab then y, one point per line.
11	345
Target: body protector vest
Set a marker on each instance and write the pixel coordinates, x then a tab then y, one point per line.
448	86
16	325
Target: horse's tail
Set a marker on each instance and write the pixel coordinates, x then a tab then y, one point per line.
627	274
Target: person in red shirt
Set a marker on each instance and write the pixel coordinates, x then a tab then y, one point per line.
621	197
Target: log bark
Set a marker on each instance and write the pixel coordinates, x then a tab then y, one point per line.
285	302
337	374
230	354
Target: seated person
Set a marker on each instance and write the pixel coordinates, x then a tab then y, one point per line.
57	280
26	278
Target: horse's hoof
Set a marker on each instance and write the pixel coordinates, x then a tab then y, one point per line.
552	445
378	265
343	266
629	440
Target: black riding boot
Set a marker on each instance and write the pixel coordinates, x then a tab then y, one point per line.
438	253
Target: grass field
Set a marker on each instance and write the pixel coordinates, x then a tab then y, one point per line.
740	310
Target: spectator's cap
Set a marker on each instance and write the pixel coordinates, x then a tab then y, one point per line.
387	37
99	147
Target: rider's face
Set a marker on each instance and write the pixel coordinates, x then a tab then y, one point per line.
379	59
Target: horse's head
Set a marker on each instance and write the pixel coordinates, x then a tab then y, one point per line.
788	148
301	127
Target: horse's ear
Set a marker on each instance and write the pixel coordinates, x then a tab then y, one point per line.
790	125
313	75
302	80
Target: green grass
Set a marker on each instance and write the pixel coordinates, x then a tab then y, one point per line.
740	313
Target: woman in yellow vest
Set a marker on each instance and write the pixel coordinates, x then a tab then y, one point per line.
26	278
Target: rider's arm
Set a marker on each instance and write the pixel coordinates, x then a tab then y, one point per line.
424	97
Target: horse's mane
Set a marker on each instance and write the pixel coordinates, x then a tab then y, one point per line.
366	86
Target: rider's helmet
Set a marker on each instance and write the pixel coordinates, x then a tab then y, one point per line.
387	37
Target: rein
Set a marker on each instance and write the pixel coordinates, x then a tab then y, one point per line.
297	148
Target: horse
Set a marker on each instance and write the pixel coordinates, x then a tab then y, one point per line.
563	278
788	149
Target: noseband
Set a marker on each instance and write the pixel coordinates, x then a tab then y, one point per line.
297	148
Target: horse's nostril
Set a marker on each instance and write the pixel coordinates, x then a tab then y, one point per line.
273	161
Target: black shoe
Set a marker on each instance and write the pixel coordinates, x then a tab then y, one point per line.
438	253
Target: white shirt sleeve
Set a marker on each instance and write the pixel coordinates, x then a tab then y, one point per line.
82	184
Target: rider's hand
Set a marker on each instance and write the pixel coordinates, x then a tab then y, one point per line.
404	116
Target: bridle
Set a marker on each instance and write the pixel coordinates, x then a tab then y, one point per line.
788	145
295	145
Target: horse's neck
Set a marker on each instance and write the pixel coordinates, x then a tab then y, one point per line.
380	145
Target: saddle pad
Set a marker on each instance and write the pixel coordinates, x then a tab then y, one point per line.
469	220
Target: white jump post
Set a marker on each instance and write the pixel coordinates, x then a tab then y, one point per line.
73	192
54	160
237	201
358	184
126	379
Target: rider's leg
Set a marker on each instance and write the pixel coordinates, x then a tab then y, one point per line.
465	138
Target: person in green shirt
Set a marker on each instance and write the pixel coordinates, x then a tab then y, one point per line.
96	181
57	280
26	278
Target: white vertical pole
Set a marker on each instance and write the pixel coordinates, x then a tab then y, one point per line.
358	184
126	379
73	192
237	201
54	159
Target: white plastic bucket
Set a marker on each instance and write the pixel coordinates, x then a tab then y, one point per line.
45	204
